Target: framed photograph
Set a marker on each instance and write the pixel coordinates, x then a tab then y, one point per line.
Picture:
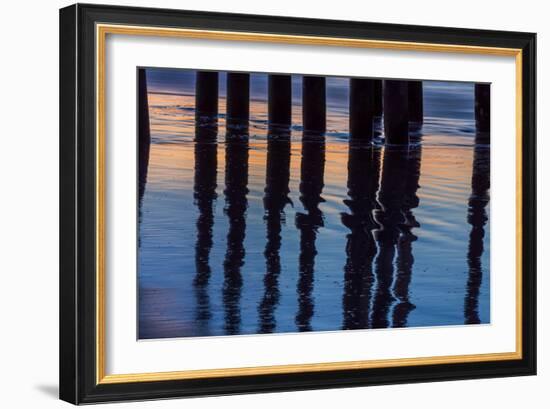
258	203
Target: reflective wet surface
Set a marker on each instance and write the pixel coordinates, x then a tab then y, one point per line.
262	231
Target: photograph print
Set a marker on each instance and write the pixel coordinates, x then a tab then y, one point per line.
286	203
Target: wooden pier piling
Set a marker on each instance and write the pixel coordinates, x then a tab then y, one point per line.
378	97
396	112
144	132
483	109
279	101
206	94
361	108
416	102
238	98
314	104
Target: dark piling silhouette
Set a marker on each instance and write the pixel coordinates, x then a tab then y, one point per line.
396	112
378	98
396	196
205	196
314	104
311	187
416	103
363	175
206	95
236	204
404	261
275	199
361	108
483	111
238	99
279	100
477	218
144	132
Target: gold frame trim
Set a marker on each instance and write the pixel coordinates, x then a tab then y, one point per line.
101	32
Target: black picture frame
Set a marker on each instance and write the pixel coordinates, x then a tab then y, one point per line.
78	360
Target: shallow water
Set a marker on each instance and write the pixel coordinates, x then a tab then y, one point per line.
245	236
